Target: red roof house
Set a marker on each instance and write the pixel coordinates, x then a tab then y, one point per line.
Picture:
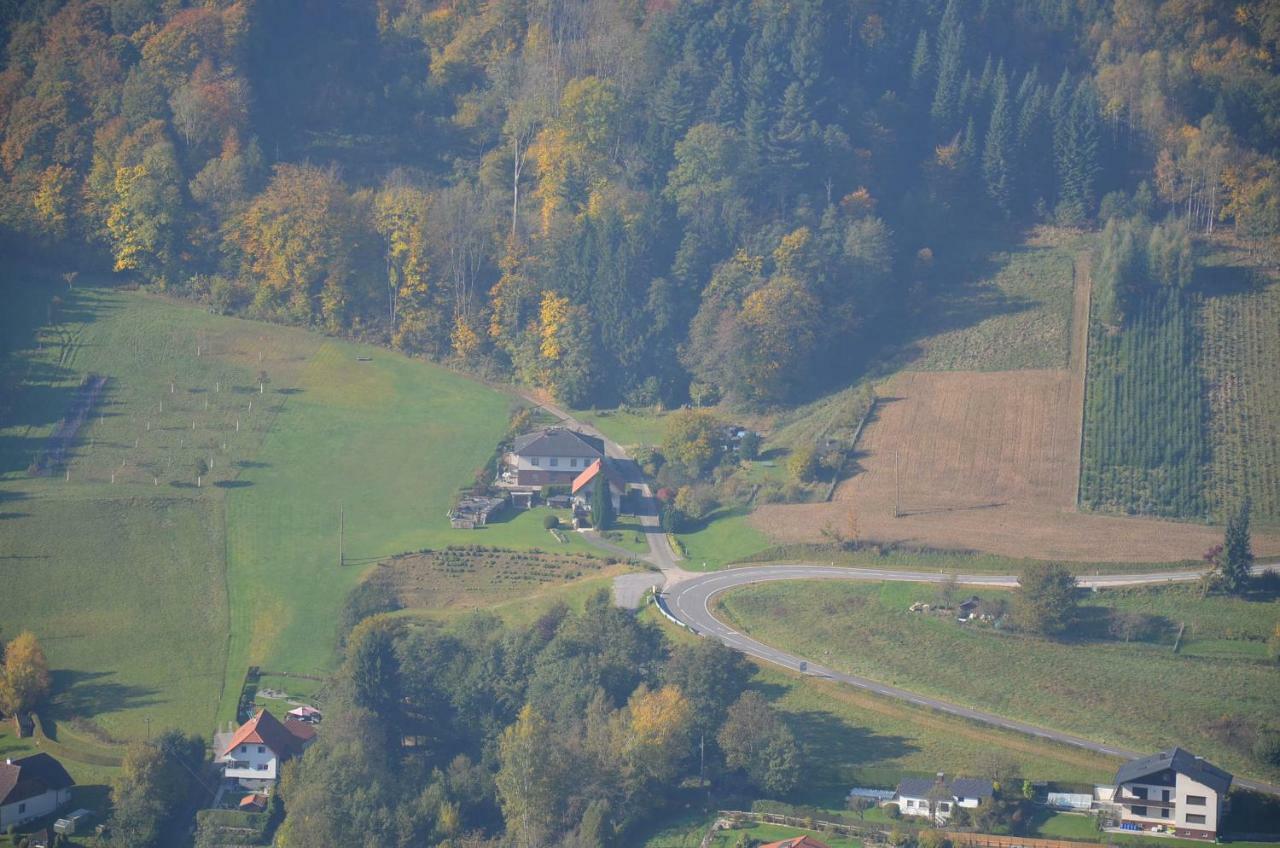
805	841
254	753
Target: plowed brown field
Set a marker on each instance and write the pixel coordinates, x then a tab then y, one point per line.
986	461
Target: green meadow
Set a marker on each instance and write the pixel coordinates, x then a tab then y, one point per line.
191	529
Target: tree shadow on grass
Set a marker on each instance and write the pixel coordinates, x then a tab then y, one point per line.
839	747
85	694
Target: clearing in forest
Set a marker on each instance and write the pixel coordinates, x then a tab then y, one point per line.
987	461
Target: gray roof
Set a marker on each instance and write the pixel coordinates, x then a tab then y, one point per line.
958	787
558	441
1180	761
30	777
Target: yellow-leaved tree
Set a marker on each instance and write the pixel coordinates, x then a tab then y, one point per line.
25	682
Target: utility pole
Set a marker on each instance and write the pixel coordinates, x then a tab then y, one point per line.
897	487
341	531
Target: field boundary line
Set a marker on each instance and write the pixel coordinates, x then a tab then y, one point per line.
1081	332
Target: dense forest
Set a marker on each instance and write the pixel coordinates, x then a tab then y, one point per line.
619	200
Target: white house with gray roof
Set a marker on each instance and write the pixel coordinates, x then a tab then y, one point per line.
553	456
1174	792
938	798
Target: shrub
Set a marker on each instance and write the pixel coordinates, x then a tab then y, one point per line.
749	445
932	839
551	522
803	463
1267	749
892	811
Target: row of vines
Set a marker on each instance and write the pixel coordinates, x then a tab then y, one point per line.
1241	358
1145	444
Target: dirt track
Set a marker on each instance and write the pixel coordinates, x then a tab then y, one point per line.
987	461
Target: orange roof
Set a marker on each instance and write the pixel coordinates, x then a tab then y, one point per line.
284	740
805	841
593	469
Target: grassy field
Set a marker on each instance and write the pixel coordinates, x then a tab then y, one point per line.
628	427
1240	320
725	538
854	738
1016	315
1214	705
153	595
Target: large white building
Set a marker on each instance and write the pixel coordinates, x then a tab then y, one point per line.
254	753
31	788
1172	792
553	456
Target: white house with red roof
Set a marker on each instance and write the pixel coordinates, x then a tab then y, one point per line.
253	754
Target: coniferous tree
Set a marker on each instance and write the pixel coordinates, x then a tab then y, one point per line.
920	61
1237	551
997	153
947	96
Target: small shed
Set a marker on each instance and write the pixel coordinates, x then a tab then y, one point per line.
255	802
69	824
522	499
560	501
968	609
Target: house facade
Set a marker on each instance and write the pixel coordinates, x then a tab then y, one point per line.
938	798
31	788
1172	792
553	456
254	753
600	473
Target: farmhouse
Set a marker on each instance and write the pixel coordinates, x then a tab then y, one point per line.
939	797
32	787
1172	791
600	473
553	456
253	754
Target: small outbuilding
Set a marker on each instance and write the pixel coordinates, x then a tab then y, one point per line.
472	512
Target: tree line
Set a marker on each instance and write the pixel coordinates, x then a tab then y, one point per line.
621	202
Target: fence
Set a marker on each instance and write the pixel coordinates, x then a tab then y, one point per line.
987	840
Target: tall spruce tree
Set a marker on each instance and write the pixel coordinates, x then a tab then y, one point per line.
997	153
920	62
947	95
1237	551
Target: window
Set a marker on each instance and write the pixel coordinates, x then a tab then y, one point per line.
1196	800
1139	792
262	766
244	749
1164	794
262	749
1164	813
22	808
573	463
910	803
1195	818
535	460
944	807
1139	811
555	460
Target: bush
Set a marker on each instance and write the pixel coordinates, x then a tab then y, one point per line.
892	811
551	522
1267	749
803	463
932	839
749	445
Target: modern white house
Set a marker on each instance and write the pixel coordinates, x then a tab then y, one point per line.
253	754
939	798
31	788
552	456
1174	792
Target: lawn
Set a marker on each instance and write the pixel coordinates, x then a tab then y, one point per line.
961	562
724	538
1213	706
152	594
1016	315
629	427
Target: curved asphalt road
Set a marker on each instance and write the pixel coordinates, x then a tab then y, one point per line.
689	601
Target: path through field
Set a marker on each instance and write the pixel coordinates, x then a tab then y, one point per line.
987	461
